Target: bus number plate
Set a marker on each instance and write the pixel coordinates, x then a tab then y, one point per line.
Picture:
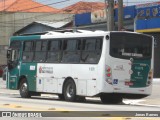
127	83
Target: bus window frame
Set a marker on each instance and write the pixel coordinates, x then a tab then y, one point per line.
61	51
45	52
31	50
128	57
76	51
95	51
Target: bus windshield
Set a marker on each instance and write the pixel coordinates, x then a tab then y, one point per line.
128	46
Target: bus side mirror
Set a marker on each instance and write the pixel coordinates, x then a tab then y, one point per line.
11	54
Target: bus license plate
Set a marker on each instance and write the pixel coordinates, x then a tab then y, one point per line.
127	83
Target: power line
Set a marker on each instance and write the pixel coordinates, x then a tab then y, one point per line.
42	6
34	8
42	15
22	2
39	15
136	2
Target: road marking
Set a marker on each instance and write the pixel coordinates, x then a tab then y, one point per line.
33	108
125	101
36	108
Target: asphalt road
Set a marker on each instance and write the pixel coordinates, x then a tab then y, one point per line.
92	108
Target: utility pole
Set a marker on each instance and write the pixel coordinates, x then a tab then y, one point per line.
106	10
120	15
74	24
110	15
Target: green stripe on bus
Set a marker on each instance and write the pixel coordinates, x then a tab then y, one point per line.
29	69
140	70
32	37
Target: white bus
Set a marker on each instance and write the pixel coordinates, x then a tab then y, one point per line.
74	65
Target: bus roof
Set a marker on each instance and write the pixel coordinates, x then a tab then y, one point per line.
64	34
57	34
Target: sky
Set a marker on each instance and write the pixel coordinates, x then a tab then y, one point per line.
70	2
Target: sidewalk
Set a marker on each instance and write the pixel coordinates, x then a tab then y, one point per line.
153	100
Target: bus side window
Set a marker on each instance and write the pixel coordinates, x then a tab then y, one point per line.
71	51
54	51
27	51
40	51
16	45
91	50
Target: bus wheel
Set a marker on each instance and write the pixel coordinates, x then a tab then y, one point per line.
70	91
23	89
111	98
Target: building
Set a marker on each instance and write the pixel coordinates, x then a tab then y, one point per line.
148	22
42	26
97	20
83	7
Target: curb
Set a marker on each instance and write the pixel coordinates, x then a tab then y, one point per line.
147	105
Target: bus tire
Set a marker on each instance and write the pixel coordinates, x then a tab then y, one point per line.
111	98
69	91
23	89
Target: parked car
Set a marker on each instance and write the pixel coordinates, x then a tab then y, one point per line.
2	67
1	72
4	73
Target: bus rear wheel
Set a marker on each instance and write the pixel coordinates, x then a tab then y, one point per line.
69	90
111	98
23	89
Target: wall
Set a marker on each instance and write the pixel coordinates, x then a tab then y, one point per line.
11	22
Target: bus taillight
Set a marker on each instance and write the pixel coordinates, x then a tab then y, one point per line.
108	75
108	69
150	77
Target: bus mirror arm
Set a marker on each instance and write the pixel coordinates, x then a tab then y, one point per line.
11	55
10	65
10	58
